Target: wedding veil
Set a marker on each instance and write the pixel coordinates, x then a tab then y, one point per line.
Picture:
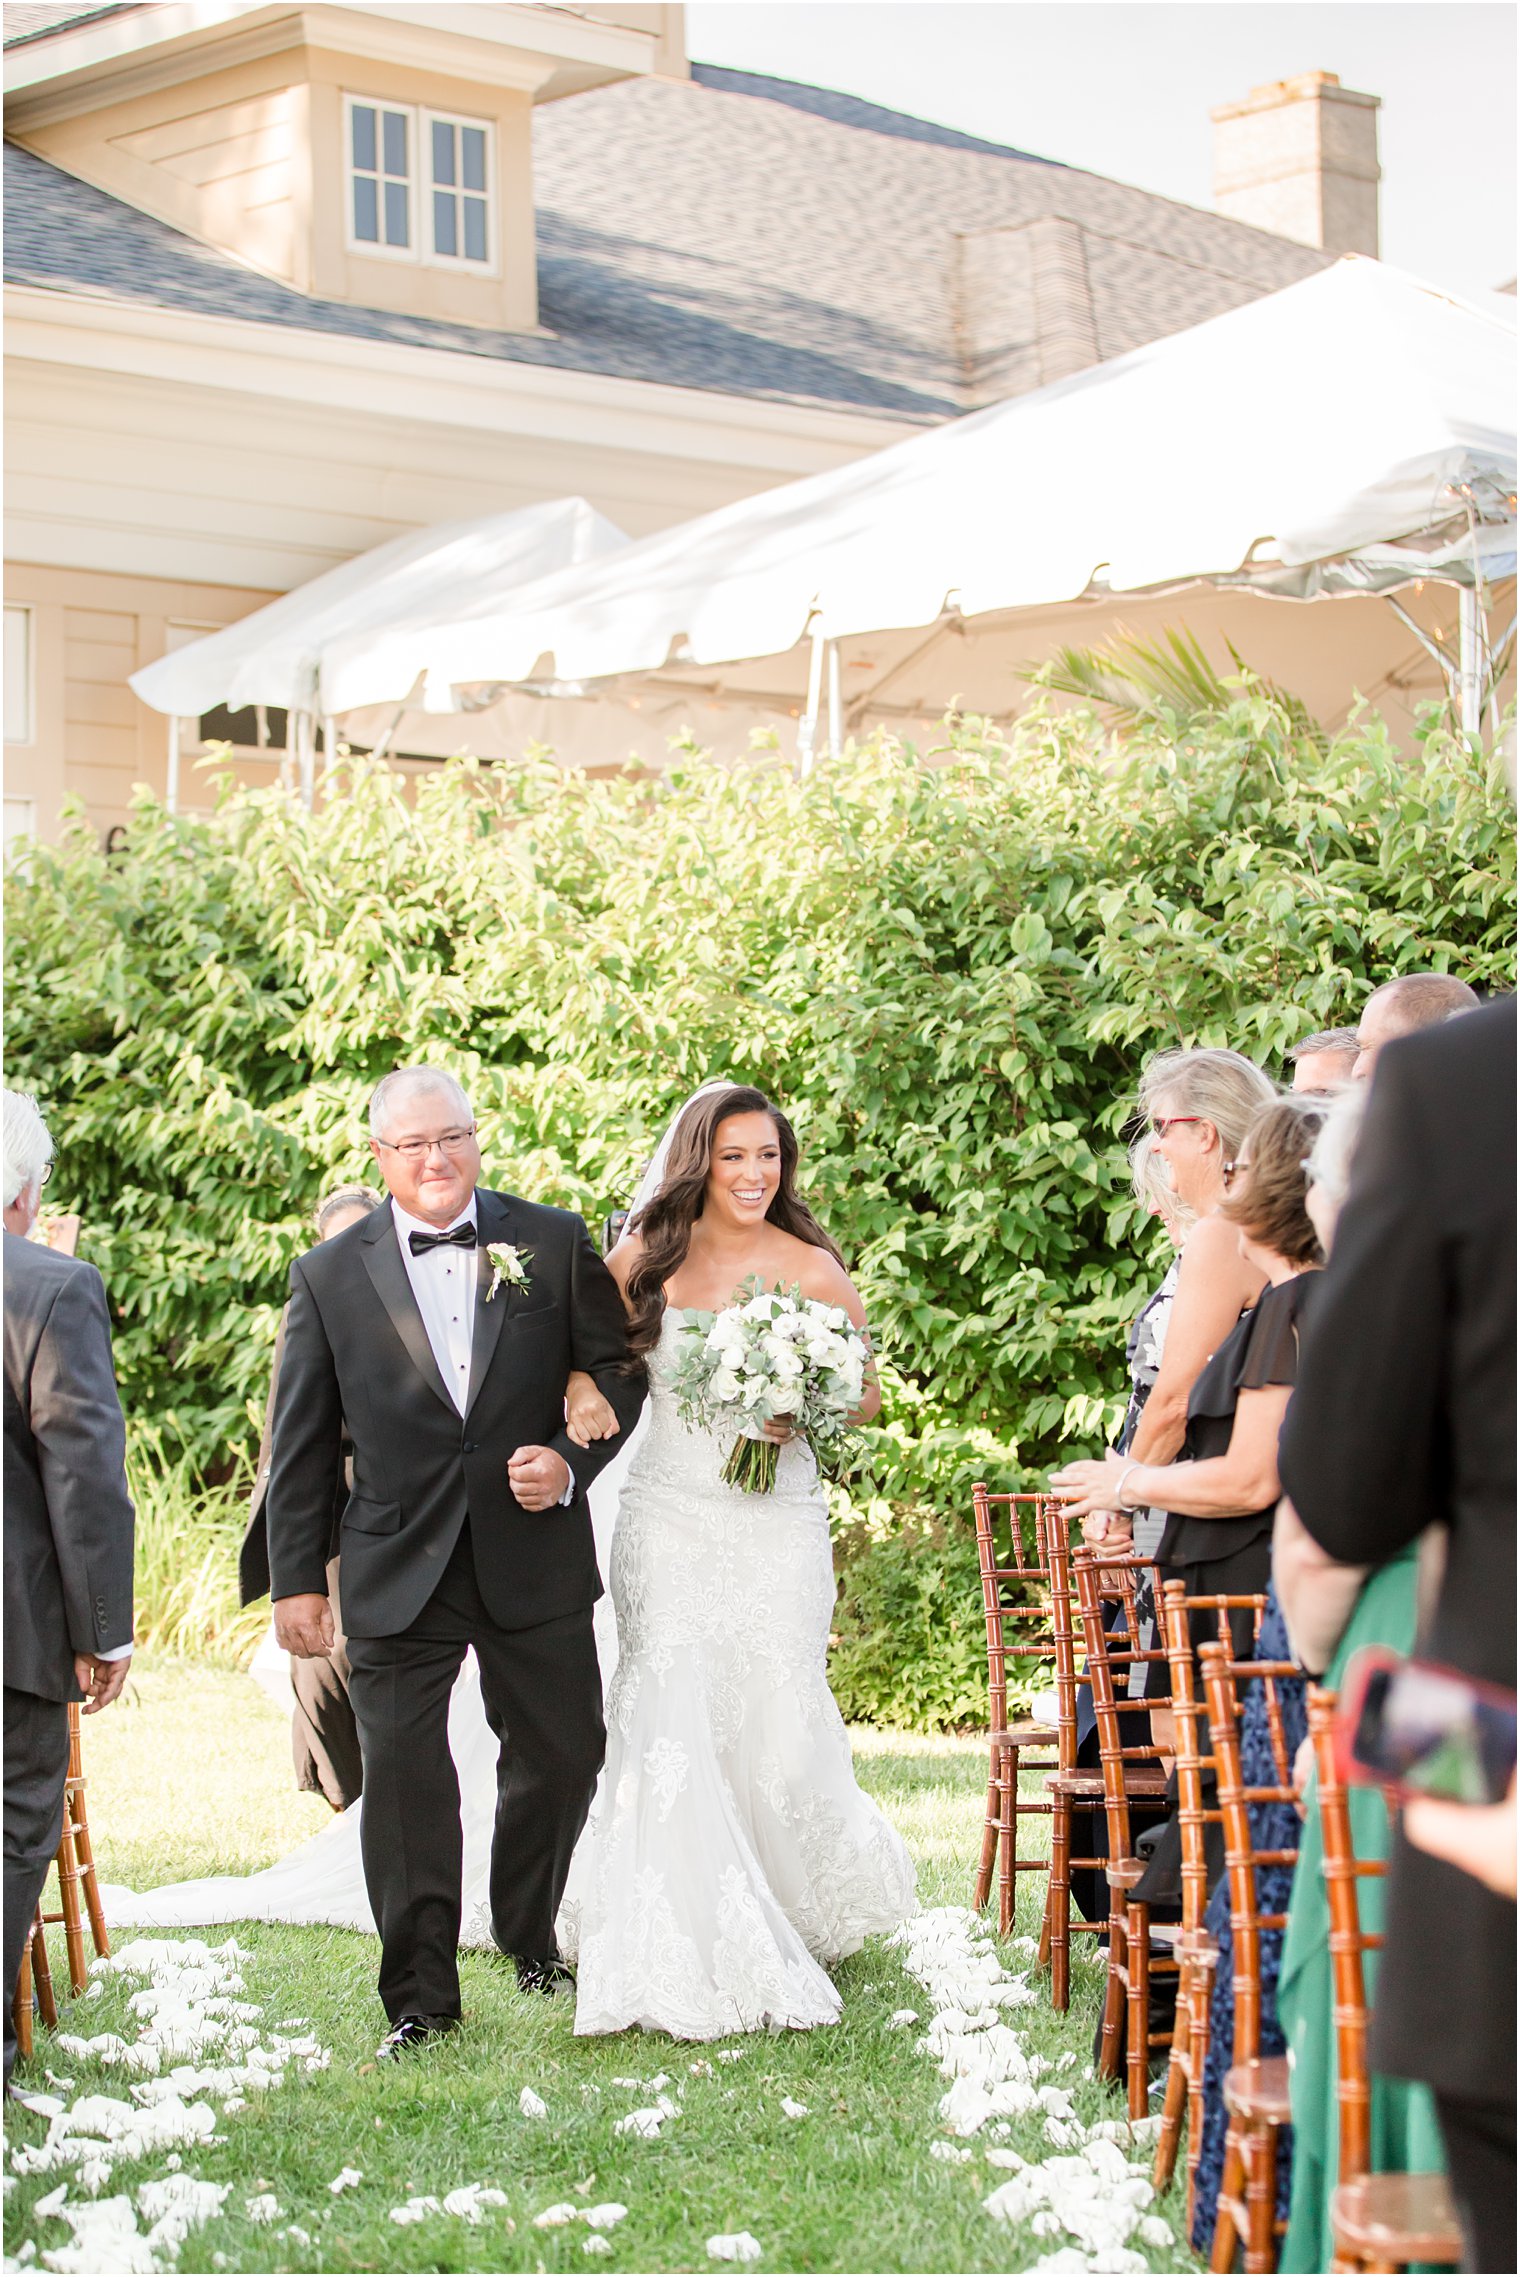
654	1177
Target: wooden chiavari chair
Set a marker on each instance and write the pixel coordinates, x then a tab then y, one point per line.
1071	1789
1195	1950
78	1901
1133	1772
1015	1601
1256	2086
1379	2221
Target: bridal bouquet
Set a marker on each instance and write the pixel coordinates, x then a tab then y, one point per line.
771	1353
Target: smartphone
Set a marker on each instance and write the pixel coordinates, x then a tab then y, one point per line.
1419	1729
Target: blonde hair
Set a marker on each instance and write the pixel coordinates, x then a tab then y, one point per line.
1152	1183
1219	1087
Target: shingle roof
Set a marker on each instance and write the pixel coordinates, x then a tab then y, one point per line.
752	237
24	20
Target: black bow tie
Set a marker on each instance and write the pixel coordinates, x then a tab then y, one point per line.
462	1237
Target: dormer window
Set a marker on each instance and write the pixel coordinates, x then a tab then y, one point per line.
419	185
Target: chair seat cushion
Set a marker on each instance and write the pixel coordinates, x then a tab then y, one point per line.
1398	2217
1260	2091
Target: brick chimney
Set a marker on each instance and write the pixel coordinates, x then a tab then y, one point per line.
1300	158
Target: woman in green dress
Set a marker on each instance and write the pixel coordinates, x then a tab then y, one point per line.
1331	1611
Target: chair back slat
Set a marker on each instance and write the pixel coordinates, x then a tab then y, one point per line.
1192	1748
1112	1654
1015	1586
1223	1679
1348	1942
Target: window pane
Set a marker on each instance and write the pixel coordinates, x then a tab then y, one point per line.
473	139
397	231
443	152
395	142
364	137
475	230
445	226
366	211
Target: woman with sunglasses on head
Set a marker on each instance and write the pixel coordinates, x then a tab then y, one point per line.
1198	1106
1221	1498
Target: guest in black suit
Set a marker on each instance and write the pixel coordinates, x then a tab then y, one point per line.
324	1738
1404	1416
68	1526
444	1329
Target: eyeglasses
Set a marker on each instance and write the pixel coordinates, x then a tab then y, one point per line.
43	1175
1231	1172
1161	1124
418	1150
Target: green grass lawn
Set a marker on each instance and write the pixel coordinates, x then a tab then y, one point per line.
191	1775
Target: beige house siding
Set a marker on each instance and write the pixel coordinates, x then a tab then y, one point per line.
91	738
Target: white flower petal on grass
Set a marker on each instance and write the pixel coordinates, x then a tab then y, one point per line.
605	2217
415	2210
596	2245
793	2109
731	2055
700	2070
532	2106
54	2080
295	2231
556	2217
1152	2230
176	2206
901	2016
627	2083
265	2207
645	2124
737	2245
653	2086
349	2179
952	2153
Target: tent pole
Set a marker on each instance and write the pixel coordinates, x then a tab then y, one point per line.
329	745
836	725
171	788
1470	651
807	730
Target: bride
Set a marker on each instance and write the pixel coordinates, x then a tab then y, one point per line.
730	1857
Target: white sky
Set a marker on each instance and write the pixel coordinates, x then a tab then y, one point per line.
1124	88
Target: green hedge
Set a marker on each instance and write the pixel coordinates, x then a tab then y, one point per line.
948	967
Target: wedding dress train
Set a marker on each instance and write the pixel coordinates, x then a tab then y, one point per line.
730	1858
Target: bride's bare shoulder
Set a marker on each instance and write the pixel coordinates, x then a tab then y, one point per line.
622	1257
815	1272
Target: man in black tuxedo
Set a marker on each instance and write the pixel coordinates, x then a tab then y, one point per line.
467	1525
68	1527
1404	1416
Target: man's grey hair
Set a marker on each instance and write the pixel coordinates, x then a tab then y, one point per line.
405	1083
1219	1087
1323	1040
1334	1148
28	1146
1425	999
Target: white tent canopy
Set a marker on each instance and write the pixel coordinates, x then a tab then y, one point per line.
1351	433
276	656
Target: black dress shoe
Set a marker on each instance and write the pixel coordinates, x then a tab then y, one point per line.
543	1976
413	2032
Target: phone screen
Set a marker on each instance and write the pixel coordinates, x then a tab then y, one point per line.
1426	1730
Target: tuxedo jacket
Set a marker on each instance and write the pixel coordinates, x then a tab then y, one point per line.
253	1557
357	1354
68	1517
1404	1416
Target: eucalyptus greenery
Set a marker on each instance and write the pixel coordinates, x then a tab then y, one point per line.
948	966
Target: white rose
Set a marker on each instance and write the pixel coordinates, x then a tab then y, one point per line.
786	1399
724	1385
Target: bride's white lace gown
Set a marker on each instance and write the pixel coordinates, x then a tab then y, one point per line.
730	1857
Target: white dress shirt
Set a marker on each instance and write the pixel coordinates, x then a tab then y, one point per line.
443	1282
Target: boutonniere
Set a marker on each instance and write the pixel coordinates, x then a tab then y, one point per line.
508	1265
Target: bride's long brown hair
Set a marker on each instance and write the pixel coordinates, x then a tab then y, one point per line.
665	1223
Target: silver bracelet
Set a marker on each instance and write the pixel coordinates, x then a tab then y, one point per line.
1119	1489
